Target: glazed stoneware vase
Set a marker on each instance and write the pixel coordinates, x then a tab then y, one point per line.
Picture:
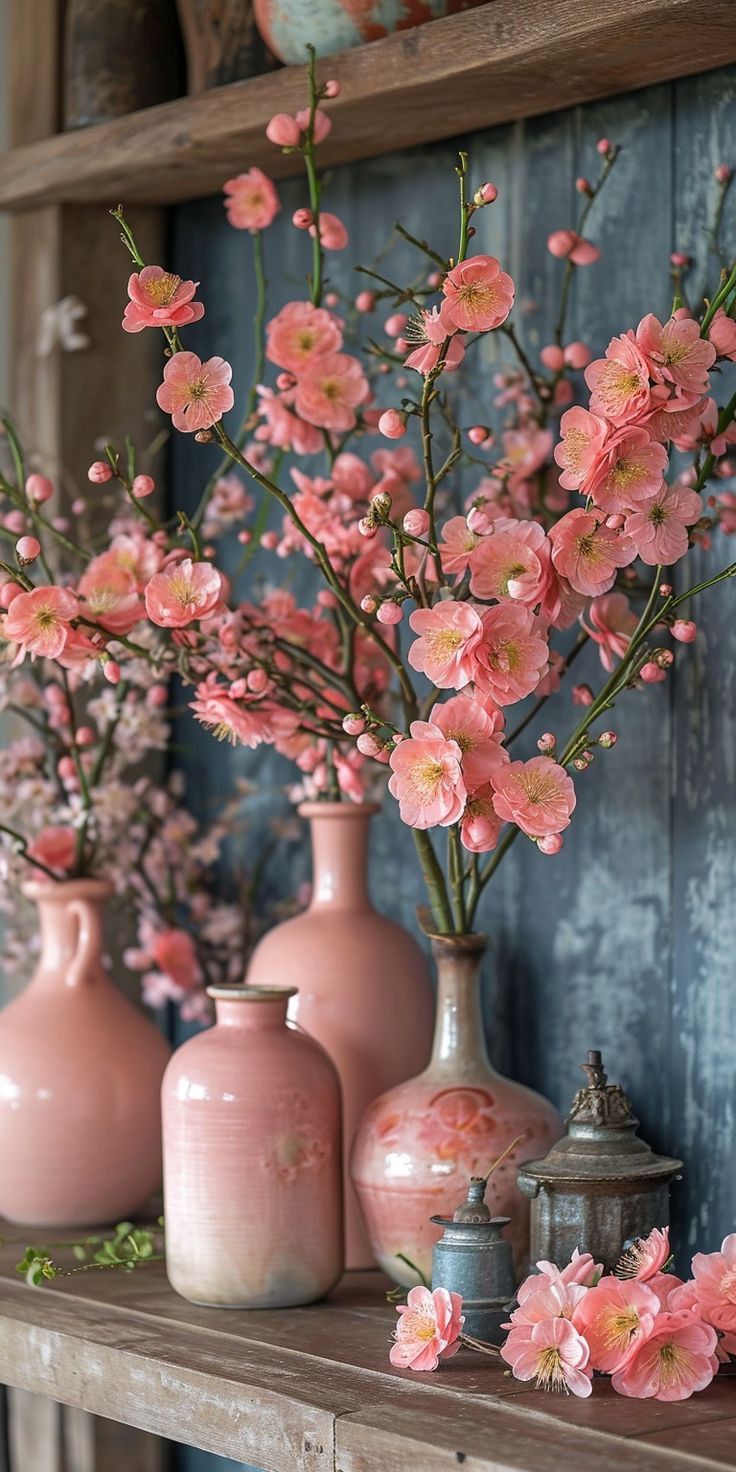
252	1159
419	1144
80	1076
336	25
363	986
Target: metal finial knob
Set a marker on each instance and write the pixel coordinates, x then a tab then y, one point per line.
474	1209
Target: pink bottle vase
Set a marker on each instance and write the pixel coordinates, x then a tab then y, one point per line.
419	1144
252	1159
80	1075
363	987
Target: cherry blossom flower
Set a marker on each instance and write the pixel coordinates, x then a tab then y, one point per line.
477	727
552	1353
582	1268
677	352
619	383
677	1358
174	952
332	233
646	1256
715	1284
159	298
330	390
610	622
524	451
456	545
511	656
613	1318
251	201
430	331
449	635
282	428
541	1298
537	795
630	468
182	593
568	245
299	333
722	334
514	563
428	1330
478	295
659	530
110	594
587	552
427	777
55	846
195	394
480	824
40	621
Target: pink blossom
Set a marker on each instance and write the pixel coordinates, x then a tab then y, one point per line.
332	232
299	333
478	295
677	352
715	1285
568	245
39	488
677	1358
330	391
610	622
56	847
456	545
722	334
195	394
511	656
583	438
524	451
251	201
99	473
27	549
512	563
283	130
552	1353
684	630
158	298
449	634
392	424
416	522
537	795
613	1318
321	126
619	383
659	529
431	332
183	592
646	1257
40	620
110	594
477	727
587	552
582	1268
427	778
282	428
480	824
629	468
428	1330
174	952
541	1297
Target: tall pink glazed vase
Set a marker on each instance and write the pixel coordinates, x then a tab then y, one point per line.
252	1159
363	986
420	1143
80	1075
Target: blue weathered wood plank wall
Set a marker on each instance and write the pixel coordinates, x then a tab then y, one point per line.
627	940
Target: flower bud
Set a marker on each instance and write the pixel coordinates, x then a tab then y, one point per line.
283	130
326	598
270	540
583	186
604	146
302	219
245	537
416	522
392	424
478	521
143	485
547	743
257	681
369	745
679	260
365	301
665	590
651	673
99	472
723	173
353	724
485	195
478	434
367	527
551	844
85	736
39	488
577	355
552	357
395	324
368	603
112	671
204	437
380	504
582	695
607	739
684	630
27	549
389	612
78	506
332	88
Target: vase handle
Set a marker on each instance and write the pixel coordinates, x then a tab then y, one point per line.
85	963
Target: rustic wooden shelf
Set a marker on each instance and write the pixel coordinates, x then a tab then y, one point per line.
311	1390
509	59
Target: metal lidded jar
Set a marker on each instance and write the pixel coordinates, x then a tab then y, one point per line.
473	1259
600	1185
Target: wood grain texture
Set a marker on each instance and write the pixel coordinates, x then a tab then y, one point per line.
311	1390
472	70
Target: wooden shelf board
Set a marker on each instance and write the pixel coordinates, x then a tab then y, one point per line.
508	59
311	1389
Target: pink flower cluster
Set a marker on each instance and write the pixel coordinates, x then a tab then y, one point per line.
656	1336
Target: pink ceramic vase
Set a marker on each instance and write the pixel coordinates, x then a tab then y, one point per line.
80	1075
419	1144
364	989
252	1152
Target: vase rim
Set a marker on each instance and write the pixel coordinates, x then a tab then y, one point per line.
315	809
67	889
472	942
251	993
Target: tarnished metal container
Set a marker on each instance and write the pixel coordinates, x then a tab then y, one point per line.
600	1185
473	1259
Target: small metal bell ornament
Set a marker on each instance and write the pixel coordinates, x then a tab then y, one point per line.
600	1185
473	1259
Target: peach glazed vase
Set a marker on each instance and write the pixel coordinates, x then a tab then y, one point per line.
363	986
252	1159
80	1076
420	1143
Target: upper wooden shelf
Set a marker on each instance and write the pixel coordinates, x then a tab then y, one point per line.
509	59
311	1389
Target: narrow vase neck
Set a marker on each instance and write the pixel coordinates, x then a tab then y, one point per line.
339	855
251	1009
459	1037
